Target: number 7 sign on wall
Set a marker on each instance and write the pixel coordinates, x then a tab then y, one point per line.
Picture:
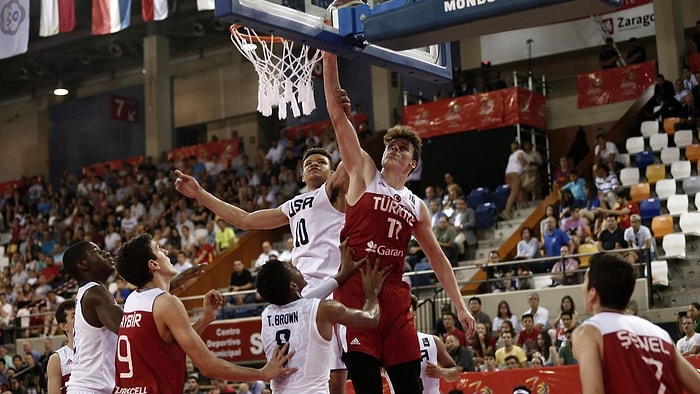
125	109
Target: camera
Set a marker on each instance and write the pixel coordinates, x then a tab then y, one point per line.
682	313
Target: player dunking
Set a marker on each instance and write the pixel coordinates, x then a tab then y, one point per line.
619	353
315	219
381	215
60	363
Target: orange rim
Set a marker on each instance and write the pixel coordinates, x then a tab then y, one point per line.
268	39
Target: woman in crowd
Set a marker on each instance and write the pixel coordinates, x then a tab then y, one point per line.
528	246
545	350
514	168
506	326
482	342
503	314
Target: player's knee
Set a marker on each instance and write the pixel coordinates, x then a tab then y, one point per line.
405	377
364	372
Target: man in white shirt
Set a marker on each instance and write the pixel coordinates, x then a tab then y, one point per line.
540	314
638	235
267	254
690	343
606	151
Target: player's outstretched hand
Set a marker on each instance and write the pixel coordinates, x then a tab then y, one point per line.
373	278
185	278
276	364
348	267
212	302
186	184
467	320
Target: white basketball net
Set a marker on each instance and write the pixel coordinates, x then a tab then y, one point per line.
281	79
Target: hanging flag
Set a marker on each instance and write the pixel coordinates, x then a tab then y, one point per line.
204	5
154	10
57	16
14	27
110	16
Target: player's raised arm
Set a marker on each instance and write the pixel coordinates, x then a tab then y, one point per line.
261	219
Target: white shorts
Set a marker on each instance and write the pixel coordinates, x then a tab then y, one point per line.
337	348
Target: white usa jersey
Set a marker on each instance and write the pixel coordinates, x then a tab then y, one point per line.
428	352
315	226
295	323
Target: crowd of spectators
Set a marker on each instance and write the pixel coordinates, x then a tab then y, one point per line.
40	220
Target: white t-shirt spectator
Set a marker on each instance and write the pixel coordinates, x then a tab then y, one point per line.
610	149
684	344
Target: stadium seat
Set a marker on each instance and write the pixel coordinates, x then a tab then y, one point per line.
670	155
649	128
655	172
677	204
649	208
674	245
692	152
500	196
690	223
624	158
680	169
659	273
422	279
484	215
665	188
640	191
683	138
662	225
691	186
670	125
629	176
586	248
658	142
477	196
697	202
634	145
644	159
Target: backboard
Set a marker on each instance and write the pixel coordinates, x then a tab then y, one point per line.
303	21
420	23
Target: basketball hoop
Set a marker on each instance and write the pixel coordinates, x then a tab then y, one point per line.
281	79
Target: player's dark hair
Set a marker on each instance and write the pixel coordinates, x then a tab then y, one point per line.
317	151
613	278
132	260
407	133
62	310
273	281
74	254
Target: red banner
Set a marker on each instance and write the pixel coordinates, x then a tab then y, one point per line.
124	109
237	341
99	168
506	107
694	62
615	84
226	150
318	128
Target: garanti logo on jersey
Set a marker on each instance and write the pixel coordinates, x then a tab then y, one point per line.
382	250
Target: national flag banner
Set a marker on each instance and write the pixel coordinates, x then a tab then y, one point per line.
154	10
204	5
14	27
57	16
110	16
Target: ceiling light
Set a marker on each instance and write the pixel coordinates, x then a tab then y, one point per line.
60	90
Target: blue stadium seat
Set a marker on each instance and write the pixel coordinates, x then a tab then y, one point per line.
650	208
643	159
477	196
485	214
422	279
500	196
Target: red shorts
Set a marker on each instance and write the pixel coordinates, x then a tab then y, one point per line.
394	341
